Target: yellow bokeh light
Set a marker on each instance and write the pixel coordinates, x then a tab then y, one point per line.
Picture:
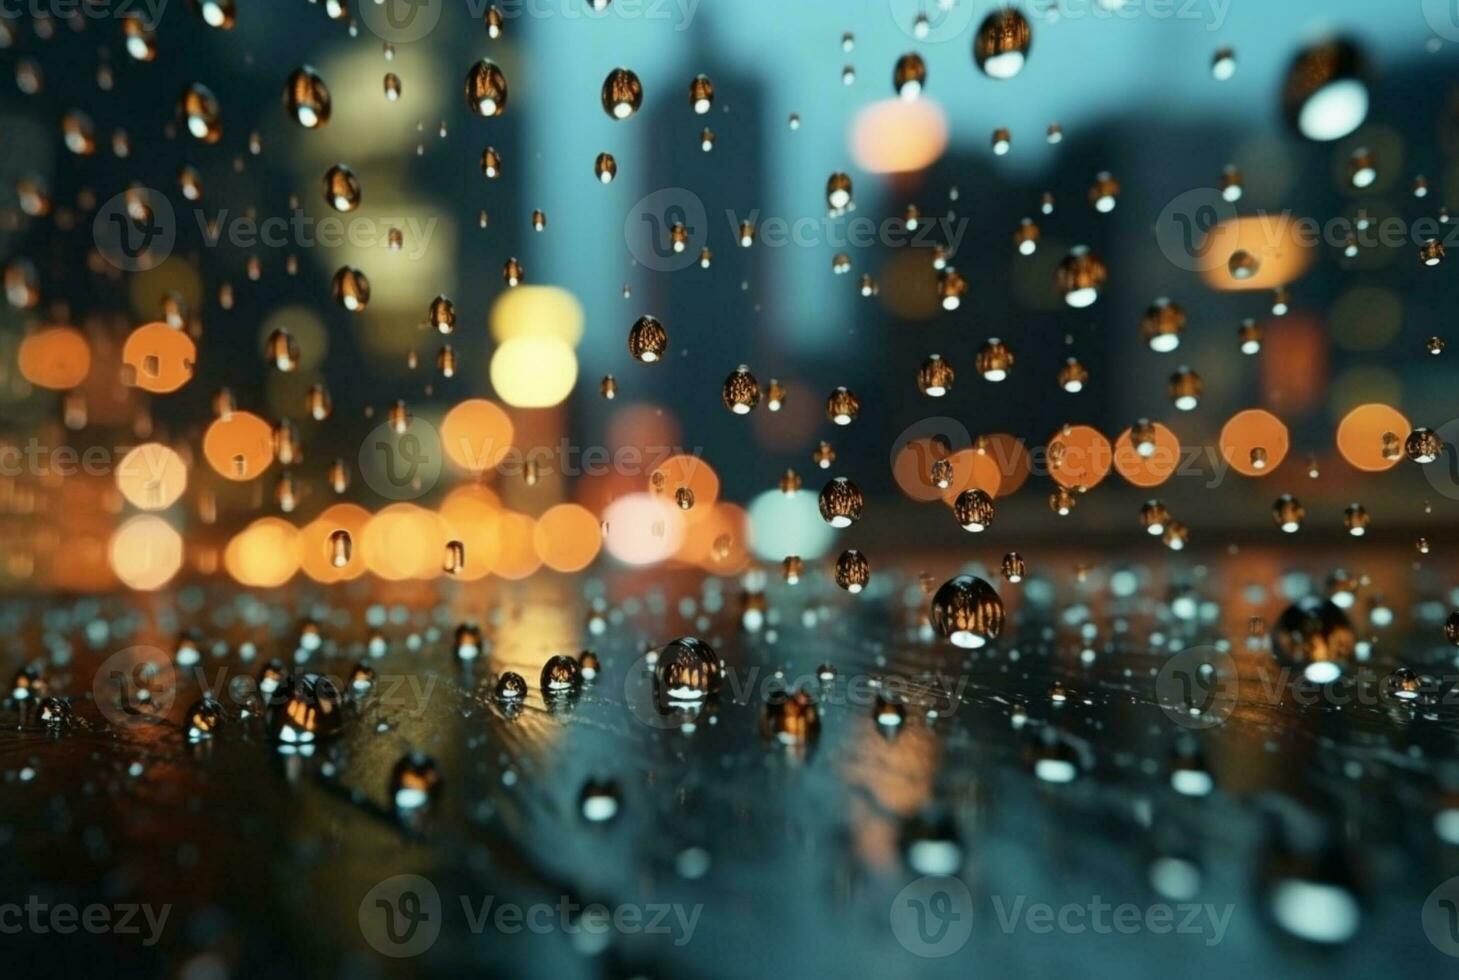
537	311
316	548
265	554
896	136
1278	242
152	476
534	372
404	541
473	516
146	552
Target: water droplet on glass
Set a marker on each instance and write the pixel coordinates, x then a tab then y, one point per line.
1002	43
967	611
306	98
622	93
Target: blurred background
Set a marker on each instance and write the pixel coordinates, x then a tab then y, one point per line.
1137	93
216	434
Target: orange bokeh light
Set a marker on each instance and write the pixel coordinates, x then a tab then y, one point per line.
912	469
692	472
568	538
55	357
719	544
239	447
1152	470
158	358
473	515
316	552
972	469
404	541
1360	436
1271	239
477	434
265	554
1011	457
1079	456
519	549
1249	431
